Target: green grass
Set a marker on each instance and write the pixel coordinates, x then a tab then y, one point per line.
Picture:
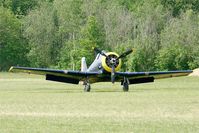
28	103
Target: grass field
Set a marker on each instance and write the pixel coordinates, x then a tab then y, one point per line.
28	103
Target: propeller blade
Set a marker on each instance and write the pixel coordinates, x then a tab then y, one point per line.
113	74
100	51
125	53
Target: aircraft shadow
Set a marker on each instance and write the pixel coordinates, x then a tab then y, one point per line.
42	90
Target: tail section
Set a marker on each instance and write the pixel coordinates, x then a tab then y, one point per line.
83	64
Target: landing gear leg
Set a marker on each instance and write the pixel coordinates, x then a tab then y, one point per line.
125	85
87	87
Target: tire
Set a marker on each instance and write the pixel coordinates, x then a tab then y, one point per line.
87	88
125	87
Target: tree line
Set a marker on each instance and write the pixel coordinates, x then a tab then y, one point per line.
57	33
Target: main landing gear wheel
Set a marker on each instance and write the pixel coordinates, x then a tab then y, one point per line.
125	85
87	88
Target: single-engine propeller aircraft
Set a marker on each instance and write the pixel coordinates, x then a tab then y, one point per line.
104	68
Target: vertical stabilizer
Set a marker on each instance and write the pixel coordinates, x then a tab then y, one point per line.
83	64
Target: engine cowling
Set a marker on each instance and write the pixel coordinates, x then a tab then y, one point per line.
111	60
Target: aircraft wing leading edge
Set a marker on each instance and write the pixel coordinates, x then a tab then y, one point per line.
67	76
156	75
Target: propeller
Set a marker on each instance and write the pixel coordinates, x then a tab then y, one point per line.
113	74
113	61
100	51
125	53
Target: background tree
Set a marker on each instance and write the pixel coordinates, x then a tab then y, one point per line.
92	35
150	22
178	6
40	29
56	33
6	3
70	19
181	36
13	47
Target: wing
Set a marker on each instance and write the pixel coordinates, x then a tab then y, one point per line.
67	76
144	77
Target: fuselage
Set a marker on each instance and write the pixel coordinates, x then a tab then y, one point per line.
96	66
